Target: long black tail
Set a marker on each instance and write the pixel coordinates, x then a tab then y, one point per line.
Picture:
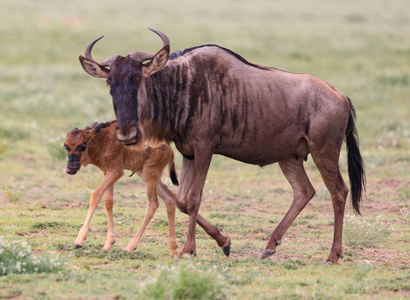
172	171
355	164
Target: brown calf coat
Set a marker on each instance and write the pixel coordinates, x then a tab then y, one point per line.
98	145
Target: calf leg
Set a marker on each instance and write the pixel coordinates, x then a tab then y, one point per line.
109	202
169	201
187	172
108	181
303	191
152	206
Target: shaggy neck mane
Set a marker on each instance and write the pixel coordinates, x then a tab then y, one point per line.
156	113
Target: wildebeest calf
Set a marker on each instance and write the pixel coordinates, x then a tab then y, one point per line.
98	145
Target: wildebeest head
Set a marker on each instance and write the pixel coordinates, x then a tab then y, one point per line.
76	144
125	76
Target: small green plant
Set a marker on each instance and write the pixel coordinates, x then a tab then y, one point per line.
12	195
16	257
185	280
365	233
46	225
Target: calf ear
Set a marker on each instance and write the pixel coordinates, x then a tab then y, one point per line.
94	69
157	62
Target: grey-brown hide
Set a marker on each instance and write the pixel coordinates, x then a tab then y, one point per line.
210	100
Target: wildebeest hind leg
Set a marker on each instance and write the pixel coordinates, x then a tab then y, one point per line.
152	206
169	199
303	191
109	202
329	169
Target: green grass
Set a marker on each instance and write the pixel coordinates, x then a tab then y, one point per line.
16	258
361	47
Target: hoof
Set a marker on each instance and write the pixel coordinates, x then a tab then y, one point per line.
182	256
220	229
227	247
331	263
266	253
76	246
176	260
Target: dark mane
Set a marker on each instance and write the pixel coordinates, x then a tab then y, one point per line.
179	53
99	126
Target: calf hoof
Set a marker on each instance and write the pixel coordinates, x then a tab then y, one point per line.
220	229
266	253
227	247
76	246
129	249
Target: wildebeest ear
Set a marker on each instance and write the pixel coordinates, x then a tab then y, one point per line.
94	69
157	63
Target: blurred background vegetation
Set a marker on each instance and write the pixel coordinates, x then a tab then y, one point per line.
361	47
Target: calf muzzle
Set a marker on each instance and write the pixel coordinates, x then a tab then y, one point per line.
73	164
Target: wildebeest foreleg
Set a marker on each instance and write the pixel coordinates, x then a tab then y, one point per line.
187	172
108	181
201	162
303	191
109	202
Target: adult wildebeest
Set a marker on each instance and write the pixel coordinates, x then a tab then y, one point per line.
209	100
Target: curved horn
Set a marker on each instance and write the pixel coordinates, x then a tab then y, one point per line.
163	37
143	56
89	48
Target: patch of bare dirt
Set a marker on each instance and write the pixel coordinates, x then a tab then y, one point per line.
374	256
373	201
63	205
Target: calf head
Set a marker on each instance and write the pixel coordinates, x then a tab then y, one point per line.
76	144
126	78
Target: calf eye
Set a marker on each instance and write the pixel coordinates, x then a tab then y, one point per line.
83	146
66	147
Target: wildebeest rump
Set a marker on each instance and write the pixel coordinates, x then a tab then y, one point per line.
209	100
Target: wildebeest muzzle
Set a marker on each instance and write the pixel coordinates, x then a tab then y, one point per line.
129	134
73	164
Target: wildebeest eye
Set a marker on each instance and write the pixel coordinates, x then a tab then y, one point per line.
66	147
82	147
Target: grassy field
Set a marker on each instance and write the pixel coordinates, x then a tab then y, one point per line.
361	47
